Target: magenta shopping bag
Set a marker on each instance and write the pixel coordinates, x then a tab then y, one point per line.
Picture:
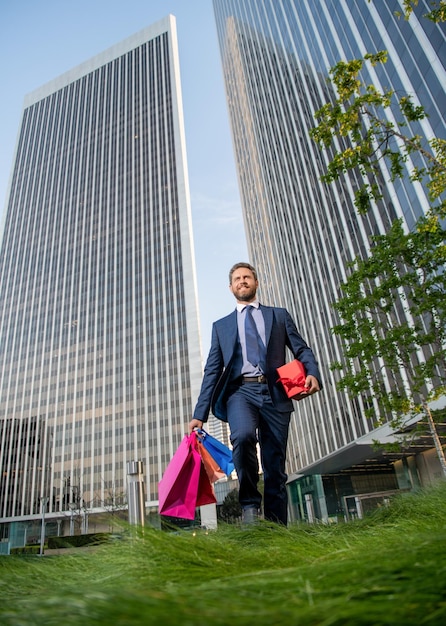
185	483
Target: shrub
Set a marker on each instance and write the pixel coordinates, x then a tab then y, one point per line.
77	541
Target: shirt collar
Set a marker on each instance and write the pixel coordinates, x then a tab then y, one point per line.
241	305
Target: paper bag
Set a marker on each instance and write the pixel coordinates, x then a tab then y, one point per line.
213	470
218	451
185	484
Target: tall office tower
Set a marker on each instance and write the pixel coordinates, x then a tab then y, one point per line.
100	346
301	233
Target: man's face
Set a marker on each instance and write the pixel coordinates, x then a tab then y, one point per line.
243	285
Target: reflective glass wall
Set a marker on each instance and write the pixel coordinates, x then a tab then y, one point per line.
100	347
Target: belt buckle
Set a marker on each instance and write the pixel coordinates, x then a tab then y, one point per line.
261	378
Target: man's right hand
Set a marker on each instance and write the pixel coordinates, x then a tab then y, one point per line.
195	424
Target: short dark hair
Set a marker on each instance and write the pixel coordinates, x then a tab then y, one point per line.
238	266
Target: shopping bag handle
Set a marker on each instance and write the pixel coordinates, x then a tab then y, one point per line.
200	433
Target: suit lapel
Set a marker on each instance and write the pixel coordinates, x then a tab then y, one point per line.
229	336
268	316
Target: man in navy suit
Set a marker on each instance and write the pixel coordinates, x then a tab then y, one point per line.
248	395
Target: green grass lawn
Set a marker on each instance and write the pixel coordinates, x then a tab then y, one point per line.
389	568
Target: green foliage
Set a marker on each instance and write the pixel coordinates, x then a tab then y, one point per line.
231	511
393	305
77	541
357	115
386	569
26	550
436	14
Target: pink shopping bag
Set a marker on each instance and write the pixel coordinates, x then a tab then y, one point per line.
185	484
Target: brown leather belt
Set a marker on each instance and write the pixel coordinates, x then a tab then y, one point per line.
253	379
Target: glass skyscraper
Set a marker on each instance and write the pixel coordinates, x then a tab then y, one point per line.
301	233
100	347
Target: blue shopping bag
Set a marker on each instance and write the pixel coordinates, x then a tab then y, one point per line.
219	452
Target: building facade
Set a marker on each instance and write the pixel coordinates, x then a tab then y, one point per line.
276	56
100	347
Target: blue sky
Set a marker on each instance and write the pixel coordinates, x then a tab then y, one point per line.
41	39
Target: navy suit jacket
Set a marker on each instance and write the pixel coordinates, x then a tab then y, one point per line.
280	331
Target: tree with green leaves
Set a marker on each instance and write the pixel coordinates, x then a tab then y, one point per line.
392	309
230	510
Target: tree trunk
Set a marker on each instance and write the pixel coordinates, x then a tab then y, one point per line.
436	438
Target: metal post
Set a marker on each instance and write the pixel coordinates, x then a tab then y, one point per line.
135	492
44	502
310	508
359	507
71	520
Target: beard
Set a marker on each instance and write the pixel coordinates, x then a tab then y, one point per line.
246	296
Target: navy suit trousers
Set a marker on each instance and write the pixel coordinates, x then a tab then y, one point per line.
252	417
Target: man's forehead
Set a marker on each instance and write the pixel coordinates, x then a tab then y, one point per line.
242	271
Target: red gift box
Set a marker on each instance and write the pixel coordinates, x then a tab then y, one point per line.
292	376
